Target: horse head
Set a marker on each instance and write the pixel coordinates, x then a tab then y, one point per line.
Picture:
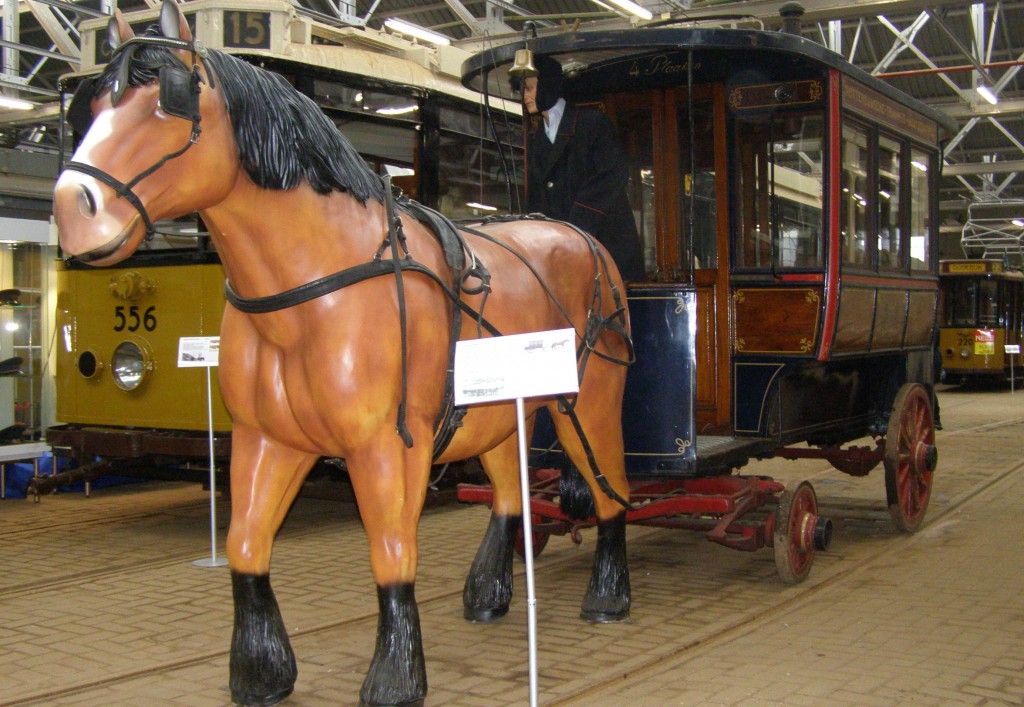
143	156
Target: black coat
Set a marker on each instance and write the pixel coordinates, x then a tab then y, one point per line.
582	179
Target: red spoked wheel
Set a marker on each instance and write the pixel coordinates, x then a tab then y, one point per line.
910	456
798	532
540	539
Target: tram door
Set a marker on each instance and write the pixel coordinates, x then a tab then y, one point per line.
678	190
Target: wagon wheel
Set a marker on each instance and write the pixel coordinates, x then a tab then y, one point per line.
540	539
798	532
910	457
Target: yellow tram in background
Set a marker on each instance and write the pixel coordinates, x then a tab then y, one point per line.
981	322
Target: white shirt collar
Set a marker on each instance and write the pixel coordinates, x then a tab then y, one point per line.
555	113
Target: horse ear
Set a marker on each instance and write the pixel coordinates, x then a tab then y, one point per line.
118	30
172	21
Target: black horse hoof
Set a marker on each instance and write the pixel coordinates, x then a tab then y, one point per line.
605	617
263	700
484	616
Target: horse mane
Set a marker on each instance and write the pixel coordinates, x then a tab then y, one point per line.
282	136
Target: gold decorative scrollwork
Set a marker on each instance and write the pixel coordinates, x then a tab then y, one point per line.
740	345
680	305
806	345
812	297
683	444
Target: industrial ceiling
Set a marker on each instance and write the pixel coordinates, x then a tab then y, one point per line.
941	52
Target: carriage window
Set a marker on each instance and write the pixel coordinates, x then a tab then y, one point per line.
853	199
698	189
920	209
890	254
636	135
779	180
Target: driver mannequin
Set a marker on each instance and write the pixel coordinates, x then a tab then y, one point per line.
575	169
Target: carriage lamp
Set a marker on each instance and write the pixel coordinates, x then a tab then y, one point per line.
129	365
88	365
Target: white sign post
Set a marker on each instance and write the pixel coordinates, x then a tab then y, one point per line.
204	352
513	368
1011	350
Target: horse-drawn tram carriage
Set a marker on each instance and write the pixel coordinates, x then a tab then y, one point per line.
786	204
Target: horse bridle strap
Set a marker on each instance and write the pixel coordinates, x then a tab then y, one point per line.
173	82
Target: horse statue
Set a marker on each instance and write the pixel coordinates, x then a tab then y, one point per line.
344	304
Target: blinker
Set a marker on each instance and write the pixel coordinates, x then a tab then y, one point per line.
179	92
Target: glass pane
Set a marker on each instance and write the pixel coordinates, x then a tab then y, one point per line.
471	177
988	310
920	209
853	203
698	190
636	135
961	299
890	254
780	191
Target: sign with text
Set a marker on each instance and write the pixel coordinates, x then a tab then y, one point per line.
198	351
1011	348
517	366
984	342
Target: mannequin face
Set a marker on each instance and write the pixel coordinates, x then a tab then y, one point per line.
530	95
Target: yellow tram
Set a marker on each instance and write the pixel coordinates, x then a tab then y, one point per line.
981	323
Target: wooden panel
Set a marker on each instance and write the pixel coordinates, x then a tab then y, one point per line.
921	318
778	321
890	319
856	314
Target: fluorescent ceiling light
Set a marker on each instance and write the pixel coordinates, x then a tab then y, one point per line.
403	27
632	8
482	207
1018	223
15	103
919	165
986	93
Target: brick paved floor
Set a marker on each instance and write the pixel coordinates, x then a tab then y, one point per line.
101	605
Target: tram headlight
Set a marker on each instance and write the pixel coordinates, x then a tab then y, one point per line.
965	352
129	365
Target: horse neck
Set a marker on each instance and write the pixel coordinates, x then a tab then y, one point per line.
273	240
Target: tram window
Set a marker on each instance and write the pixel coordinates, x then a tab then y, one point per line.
853	199
376	103
988	304
779	179
920	209
890	253
961	303
471	177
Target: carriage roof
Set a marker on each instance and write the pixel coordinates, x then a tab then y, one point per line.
603	62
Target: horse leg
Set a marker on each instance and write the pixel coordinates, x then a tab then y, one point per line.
390	490
608	594
488	590
265	478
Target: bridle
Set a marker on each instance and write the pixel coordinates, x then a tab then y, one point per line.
179	96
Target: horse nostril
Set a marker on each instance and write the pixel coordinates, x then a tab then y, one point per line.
86	202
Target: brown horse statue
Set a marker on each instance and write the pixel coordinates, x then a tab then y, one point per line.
337	338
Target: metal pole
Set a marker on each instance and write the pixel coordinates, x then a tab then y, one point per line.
214	561
531	598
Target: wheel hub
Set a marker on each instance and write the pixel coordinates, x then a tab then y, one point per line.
926	457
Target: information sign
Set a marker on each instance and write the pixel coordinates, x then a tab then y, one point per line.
517	366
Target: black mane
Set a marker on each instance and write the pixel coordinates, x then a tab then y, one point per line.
282	136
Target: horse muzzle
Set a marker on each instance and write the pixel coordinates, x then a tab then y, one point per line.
93	226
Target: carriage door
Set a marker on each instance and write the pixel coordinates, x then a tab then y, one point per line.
679	195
